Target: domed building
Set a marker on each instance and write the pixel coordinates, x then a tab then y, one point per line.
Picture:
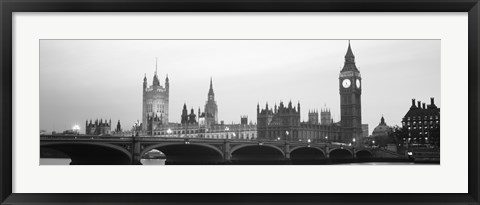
382	129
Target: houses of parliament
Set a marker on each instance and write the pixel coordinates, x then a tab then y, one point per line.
283	122
280	122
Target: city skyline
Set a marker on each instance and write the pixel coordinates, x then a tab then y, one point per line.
103	78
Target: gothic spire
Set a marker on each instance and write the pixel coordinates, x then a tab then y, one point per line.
349	51
156	82
210	91
349	64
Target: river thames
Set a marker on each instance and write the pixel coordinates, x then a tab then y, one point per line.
62	161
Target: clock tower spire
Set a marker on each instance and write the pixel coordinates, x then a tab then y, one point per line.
350	99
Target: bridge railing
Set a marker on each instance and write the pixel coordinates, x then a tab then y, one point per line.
82	137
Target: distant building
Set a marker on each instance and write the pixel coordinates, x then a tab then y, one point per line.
313	117
188	118
283	123
326	117
155	100
422	124
99	127
205	127
196	130
382	129
365	130
119	127
211	110
244	120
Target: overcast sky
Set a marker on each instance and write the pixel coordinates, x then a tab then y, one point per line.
89	79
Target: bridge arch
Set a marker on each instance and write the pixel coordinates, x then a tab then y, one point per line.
160	145
340	154
307	155
91	152
193	153
233	149
364	154
311	147
257	154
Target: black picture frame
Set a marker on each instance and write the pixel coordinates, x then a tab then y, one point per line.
7	7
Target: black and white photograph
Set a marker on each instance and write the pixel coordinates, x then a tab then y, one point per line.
240	102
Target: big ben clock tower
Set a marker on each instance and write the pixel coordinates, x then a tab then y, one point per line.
350	99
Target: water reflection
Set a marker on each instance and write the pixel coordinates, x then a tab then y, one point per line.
55	161
63	161
152	161
66	161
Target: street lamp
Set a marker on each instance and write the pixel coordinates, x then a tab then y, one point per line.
226	130
353	141
308	140
286	135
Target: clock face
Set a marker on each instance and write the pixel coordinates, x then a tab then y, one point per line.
358	83
346	83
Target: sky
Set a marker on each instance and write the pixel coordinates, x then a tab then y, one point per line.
90	79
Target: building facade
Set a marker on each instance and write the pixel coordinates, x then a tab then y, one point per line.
99	127
350	99
326	117
155	100
365	130
422	124
283	123
197	130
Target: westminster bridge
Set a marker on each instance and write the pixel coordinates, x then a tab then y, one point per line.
113	150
